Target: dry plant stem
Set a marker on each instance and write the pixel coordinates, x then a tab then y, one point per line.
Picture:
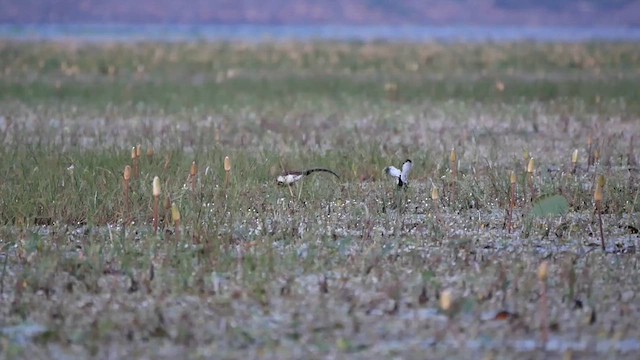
4	271
193	174
127	182
156	202
531	168
367	227
574	161
590	157
177	225
452	198
453	159
167	207
598	196
134	162
156	205
435	197
227	171
366	230
523	186
532	190
512	204
544	314
453	189
631	160
167	161
543	271
599	211
137	162
126	201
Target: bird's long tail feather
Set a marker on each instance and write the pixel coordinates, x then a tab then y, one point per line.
307	172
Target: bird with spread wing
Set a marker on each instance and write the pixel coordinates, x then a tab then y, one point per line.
402	175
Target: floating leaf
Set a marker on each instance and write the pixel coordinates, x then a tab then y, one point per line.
550	206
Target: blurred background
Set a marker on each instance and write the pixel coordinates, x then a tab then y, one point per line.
326	19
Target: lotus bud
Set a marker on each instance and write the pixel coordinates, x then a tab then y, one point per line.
194	169
543	271
175	213
531	166
227	164
156	186
598	196
446	300
435	194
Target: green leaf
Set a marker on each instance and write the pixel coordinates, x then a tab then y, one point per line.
550	206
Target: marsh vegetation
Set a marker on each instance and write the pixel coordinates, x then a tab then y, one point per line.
347	267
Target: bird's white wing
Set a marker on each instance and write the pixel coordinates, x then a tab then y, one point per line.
406	169
393	171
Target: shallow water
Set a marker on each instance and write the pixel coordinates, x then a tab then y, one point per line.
253	33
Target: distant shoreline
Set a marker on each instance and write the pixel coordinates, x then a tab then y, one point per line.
283	33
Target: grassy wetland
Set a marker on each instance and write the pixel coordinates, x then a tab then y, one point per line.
525	164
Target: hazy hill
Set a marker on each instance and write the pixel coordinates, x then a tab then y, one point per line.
434	12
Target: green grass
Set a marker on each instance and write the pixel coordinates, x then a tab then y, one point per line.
332	268
176	76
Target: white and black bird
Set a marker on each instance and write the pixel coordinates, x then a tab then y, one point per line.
402	176
290	177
